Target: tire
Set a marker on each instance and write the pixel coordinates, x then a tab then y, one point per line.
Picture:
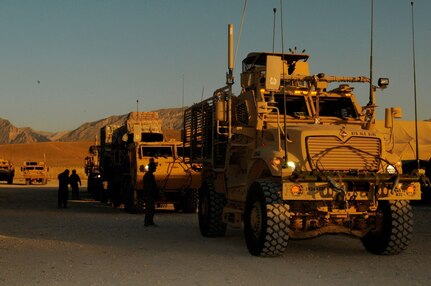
104	194
90	184
139	203
395	228
189	202
177	207
127	194
133	202
266	220
10	180
210	211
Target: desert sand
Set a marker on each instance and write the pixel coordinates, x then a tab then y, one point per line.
93	244
58	155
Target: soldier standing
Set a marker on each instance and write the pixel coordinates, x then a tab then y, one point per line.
63	188
150	193
74	181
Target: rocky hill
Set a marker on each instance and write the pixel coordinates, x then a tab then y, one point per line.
89	130
9	134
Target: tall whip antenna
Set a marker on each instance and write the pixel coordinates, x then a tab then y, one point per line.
284	89
414	86
240	29
273	31
182	99
371	51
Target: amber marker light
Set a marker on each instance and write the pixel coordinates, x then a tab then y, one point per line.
276	161
296	190
411	191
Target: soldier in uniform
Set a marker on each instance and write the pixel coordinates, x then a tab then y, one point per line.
74	181
63	188
150	193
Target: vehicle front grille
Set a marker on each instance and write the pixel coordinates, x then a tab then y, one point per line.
329	153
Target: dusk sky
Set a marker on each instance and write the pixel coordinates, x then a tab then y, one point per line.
64	62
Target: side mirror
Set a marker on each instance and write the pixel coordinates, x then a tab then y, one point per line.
390	114
383	82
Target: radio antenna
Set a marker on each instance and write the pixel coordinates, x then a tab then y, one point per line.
240	30
182	98
273	30
284	83
371	52
414	86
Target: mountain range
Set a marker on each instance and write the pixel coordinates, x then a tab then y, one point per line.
9	134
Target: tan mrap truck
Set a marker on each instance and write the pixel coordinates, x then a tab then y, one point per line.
294	157
94	178
7	171
125	153
35	172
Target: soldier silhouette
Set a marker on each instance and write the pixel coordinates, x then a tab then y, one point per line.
63	188
150	193
74	181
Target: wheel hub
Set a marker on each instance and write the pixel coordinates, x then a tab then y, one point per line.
256	219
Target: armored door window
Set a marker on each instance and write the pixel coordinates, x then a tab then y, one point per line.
295	105
156	151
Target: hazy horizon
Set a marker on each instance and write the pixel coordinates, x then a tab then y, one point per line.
65	63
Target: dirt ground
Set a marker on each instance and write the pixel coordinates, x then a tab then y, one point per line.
92	244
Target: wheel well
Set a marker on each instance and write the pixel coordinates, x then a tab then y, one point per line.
258	170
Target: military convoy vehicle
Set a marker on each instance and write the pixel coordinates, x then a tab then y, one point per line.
294	157
7	171
35	172
125	152
94	177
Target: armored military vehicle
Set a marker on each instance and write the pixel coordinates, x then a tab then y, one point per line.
7	171
94	177
293	157
125	153
35	172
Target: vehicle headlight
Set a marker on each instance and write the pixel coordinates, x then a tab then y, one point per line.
391	169
291	165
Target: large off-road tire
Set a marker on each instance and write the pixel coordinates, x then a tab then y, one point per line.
139	206
104	193
189	202
133	202
128	195
394	228
266	219
210	211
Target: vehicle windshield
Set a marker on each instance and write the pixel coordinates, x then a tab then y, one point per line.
295	105
341	107
33	168
156	151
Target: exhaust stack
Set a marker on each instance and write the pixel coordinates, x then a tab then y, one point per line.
230	48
